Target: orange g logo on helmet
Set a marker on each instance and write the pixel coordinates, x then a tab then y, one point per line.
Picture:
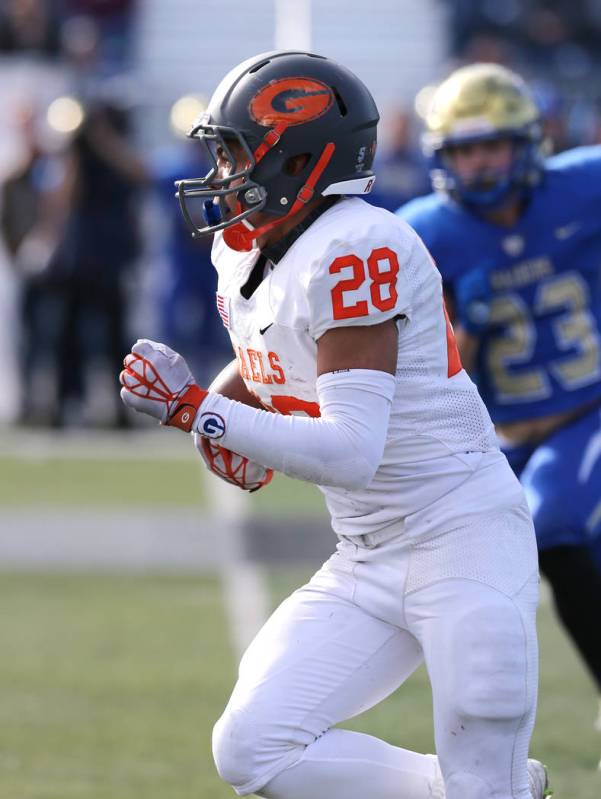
292	101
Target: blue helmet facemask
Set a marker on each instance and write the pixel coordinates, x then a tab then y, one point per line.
524	172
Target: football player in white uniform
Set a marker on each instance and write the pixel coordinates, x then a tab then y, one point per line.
347	376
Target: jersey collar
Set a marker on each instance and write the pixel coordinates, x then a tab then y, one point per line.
276	251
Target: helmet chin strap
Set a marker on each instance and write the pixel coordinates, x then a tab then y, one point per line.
242	236
239	237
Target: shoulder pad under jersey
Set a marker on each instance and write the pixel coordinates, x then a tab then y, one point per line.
354	273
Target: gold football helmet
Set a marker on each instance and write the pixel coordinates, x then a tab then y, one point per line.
479	102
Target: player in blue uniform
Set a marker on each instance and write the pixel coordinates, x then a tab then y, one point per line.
517	238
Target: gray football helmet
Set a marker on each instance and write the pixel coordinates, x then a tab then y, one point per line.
274	107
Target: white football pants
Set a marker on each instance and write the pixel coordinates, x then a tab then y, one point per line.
464	602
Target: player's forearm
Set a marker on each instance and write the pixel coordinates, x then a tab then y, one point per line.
343	447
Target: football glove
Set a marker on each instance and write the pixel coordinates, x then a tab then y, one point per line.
157	381
231	467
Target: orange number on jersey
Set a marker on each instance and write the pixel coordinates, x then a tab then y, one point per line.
385	278
289	405
453	359
342	311
379	278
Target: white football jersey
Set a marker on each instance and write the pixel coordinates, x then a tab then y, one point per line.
361	265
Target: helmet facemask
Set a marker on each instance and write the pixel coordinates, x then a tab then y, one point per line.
495	187
249	196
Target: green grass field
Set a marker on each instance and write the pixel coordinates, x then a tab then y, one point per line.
111	683
110	686
87	482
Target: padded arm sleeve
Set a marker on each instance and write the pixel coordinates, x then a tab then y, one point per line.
343	447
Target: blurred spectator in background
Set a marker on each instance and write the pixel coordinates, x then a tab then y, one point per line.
115	20
554	43
108	25
401	170
558	35
44	27
33	209
67	217
29	26
95	255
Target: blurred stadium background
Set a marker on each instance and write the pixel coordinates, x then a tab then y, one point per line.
129	579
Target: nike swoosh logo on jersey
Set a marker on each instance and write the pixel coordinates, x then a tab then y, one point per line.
263	330
565	231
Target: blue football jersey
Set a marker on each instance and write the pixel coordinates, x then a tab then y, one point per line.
531	293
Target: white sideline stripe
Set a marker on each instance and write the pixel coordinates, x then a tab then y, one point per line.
146	443
245	590
123	539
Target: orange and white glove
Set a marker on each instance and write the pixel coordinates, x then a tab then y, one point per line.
157	381
231	467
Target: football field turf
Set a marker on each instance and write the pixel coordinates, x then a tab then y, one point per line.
111	682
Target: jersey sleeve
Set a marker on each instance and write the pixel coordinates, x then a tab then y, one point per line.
359	283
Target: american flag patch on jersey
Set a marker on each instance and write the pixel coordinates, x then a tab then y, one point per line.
223	307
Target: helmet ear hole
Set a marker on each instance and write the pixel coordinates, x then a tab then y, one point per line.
294	165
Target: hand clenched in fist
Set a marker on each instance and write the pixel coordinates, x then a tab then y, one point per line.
157	381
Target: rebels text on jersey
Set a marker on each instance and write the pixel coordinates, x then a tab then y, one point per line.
359	265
